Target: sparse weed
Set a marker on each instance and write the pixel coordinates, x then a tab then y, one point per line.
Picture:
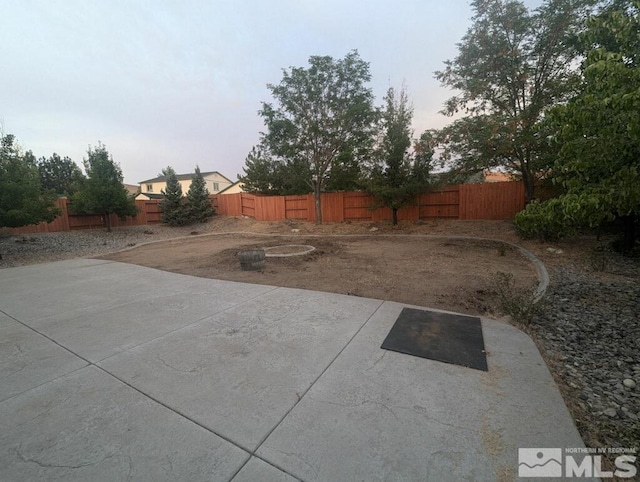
599	258
518	303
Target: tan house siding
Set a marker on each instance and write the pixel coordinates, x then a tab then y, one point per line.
234	188
214	181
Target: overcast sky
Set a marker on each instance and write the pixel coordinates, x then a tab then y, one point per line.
180	82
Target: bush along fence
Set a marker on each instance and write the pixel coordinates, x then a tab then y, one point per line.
501	200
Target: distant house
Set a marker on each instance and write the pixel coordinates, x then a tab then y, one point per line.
233	188
214	181
132	188
146	196
497	176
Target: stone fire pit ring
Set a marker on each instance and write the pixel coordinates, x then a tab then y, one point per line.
287	250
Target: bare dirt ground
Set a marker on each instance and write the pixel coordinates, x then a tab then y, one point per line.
450	274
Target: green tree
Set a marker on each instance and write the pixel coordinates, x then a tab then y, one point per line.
393	176
22	200
345	173
173	209
259	172
599	131
512	64
103	192
198	208
321	112
265	175
60	175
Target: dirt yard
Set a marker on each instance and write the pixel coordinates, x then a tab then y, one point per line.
449	274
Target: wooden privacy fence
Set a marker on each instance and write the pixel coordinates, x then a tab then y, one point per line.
149	212
500	200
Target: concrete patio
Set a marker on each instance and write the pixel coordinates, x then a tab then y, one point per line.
112	372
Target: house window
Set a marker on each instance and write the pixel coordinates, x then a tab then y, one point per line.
149	187
216	186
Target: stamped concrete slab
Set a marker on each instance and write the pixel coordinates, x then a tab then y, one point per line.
241	371
99	332
73	286
65	286
226	371
259	470
32	273
380	415
28	359
89	426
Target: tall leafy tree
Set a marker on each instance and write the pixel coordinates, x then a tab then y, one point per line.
319	113
173	209
197	206
345	173
394	177
512	64
103	192
59	174
22	200
264	174
599	130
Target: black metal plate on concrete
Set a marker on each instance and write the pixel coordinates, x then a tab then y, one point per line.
444	337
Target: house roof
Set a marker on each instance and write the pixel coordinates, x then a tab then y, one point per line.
151	195
132	188
184	177
229	187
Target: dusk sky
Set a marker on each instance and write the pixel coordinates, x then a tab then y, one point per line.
179	83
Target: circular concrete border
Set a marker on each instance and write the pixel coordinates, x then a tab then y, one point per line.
306	249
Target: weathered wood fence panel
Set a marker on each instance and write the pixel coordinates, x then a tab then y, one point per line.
501	200
464	201
444	203
149	212
296	207
247	204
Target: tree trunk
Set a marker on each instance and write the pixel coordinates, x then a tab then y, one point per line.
394	212
629	233
316	195
529	186
107	222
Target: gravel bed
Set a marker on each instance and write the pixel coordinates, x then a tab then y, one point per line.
20	250
591	328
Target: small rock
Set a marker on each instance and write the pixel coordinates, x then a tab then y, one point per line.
295	230
373	229
629	383
611	412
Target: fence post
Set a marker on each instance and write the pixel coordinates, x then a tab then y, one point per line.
64	216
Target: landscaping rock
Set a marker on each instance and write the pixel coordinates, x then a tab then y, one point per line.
592	324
